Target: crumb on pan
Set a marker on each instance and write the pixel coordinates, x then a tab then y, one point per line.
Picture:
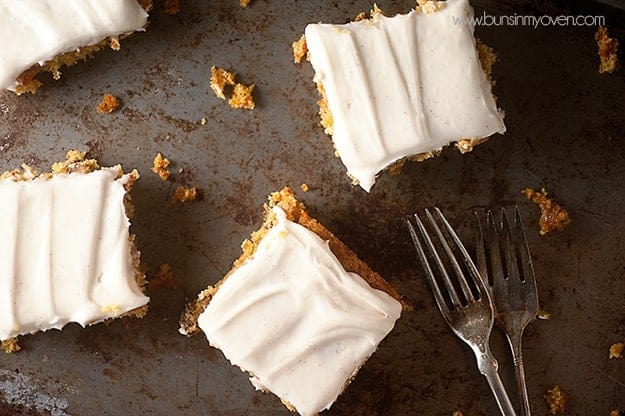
608	61
556	399
203	121
543	314
172	7
300	49
10	345
182	194
614	412
457	413
108	104
304	187
616	350
244	3
164	278
242	97
220	78
160	166
553	216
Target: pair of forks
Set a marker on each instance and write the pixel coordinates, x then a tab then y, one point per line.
478	295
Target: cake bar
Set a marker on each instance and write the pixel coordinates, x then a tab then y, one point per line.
298	310
43	35
67	255
402	86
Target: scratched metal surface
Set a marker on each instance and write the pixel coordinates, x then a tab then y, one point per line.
565	132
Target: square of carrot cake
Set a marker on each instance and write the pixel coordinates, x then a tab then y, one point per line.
67	254
298	311
43	35
402	87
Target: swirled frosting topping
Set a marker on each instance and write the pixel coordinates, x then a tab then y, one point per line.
66	252
296	320
401	86
35	31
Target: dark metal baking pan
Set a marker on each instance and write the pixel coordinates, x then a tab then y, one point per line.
566	130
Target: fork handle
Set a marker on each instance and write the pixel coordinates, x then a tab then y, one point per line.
488	367
519	372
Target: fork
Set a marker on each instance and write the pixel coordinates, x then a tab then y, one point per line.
512	285
470	317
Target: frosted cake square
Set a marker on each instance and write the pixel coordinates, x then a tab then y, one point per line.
43	35
402	86
67	254
298	311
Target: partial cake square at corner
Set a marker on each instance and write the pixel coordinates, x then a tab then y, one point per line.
67	254
402	87
44	35
298	310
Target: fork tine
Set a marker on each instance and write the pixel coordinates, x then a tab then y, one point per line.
438	295
494	250
453	295
507	239
480	251
523	247
466	290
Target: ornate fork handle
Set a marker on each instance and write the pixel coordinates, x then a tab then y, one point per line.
488	366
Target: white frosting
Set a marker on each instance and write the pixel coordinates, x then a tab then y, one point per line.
402	86
35	31
296	320
66	255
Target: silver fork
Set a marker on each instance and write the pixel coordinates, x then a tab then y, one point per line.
512	285
470	316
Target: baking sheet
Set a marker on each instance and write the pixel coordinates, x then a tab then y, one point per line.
565	133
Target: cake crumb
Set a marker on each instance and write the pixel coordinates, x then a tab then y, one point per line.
304	187
616	350
327	122
182	194
543	314
608	61
10	345
556	399
114	43
360	16
300	49
172	7
164	278
242	97
203	121
160	166
244	3
220	78
108	104
614	413
553	216
428	6
457	413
